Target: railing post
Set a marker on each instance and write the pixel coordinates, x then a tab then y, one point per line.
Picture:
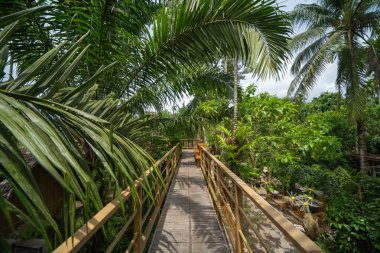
174	160
167	170
238	223
218	185
209	178
137	223
201	162
158	199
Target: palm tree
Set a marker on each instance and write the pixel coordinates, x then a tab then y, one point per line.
335	30
52	108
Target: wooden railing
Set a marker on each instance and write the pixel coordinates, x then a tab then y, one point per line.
143	215
374	170
189	143
233	199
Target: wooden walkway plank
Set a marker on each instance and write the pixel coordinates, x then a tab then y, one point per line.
188	222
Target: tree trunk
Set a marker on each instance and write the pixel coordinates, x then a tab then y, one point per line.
354	89
10	69
204	133
235	118
362	147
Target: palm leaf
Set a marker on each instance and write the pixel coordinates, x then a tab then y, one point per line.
6	20
315	65
192	33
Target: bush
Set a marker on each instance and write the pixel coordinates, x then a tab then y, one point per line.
355	222
315	176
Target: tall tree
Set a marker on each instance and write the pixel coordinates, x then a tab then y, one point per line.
235	101
335	30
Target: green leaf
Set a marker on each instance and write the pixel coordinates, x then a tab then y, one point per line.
18	15
6	33
29	73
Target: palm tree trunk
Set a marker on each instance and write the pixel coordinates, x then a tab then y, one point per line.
355	90
235	120
10	69
362	147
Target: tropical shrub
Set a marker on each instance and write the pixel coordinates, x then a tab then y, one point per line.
353	217
272	133
305	144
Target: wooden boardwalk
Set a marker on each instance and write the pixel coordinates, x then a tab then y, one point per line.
188	222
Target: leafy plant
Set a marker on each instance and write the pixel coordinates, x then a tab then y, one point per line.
307	199
269	183
59	136
355	224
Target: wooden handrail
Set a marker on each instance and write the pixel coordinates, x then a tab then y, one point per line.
213	170
75	242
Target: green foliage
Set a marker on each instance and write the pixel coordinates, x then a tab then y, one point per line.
50	131
372	126
272	130
87	70
355	222
211	109
327	101
306	144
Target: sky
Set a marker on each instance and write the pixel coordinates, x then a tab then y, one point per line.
326	82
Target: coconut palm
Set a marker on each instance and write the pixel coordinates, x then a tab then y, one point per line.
52	110
335	31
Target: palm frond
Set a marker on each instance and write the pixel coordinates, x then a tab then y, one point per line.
60	137
315	65
306	54
352	21
312	16
190	34
8	19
